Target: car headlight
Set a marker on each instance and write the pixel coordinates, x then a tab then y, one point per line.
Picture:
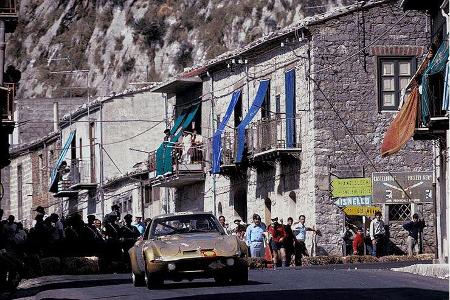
157	259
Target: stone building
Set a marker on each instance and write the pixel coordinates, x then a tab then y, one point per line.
106	147
294	110
29	175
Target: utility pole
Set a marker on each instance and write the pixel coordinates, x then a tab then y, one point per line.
213	128
166	113
101	194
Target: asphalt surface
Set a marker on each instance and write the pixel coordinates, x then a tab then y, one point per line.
332	282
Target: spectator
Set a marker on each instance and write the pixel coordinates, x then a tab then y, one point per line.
239	229
377	235
224	225
139	225
277	237
186	143
167	136
255	237
358	242
197	146
413	227
128	234
300	244
289	242
11	228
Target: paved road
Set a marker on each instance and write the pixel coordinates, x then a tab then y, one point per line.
362	282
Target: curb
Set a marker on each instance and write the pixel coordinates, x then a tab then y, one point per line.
431	270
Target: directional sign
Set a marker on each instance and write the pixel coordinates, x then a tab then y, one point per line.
361	210
354	201
402	187
349	187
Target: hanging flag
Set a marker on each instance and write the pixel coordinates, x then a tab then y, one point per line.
403	126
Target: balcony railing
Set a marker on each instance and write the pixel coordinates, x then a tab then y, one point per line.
77	177
7	93
269	135
228	148
188	165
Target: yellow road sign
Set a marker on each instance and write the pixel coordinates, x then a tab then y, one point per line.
349	187
361	210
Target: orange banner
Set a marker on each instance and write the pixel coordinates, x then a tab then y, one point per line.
403	126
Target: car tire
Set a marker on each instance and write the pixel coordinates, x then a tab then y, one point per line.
153	281
138	280
221	279
240	276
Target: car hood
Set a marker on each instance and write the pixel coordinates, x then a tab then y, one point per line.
193	245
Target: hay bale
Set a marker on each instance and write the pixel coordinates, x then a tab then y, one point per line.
321	260
256	262
80	265
51	265
354	259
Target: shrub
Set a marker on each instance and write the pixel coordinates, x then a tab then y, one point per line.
105	18
321	260
119	43
184	55
80	265
128	65
51	265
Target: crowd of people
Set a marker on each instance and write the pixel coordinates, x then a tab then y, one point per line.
51	235
285	242
374	241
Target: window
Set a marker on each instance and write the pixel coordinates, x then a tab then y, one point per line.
265	107
399	212
147	194
393	76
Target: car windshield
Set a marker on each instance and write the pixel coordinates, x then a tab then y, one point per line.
185	224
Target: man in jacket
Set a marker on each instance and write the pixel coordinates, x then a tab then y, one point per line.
414	227
377	235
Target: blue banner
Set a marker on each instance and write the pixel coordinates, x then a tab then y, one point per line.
61	158
217	138
253	110
290	108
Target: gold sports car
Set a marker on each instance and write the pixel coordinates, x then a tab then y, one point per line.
187	246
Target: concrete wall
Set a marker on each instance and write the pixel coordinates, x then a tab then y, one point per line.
351	88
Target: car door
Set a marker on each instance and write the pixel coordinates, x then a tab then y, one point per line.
139	248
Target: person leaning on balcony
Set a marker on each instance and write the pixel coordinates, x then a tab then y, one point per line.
186	143
197	143
377	234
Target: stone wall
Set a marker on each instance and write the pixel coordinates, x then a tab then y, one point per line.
351	87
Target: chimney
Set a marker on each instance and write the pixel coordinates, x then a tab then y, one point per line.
55	117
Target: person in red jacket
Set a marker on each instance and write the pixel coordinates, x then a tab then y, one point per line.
358	243
277	236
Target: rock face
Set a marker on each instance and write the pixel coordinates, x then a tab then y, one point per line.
120	42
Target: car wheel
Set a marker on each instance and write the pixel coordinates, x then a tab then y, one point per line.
240	276
153	281
221	279
138	280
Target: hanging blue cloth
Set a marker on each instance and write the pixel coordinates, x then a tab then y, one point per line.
445	99
253	110
161	151
289	78
437	65
164	154
62	156
217	137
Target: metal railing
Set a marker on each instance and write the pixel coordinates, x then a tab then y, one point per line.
270	134
228	148
8	7
434	105
7	94
80	171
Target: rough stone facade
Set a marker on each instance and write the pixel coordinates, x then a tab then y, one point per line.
351	88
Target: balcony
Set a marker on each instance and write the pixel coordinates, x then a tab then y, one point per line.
78	177
187	168
82	175
9	14
266	140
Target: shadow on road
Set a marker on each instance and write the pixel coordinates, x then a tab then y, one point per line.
319	294
32	291
202	284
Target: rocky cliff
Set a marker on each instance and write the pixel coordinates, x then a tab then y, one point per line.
63	46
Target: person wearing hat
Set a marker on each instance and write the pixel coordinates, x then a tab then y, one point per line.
278	235
39	211
239	230
128	233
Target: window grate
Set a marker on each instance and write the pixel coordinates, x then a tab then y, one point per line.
399	212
